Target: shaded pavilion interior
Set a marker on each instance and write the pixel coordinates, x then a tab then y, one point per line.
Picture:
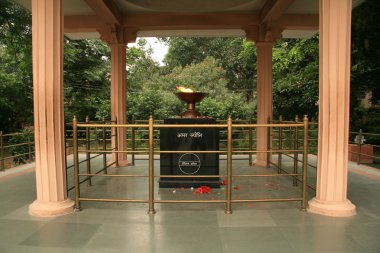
119	22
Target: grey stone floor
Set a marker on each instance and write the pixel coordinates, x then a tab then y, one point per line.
257	227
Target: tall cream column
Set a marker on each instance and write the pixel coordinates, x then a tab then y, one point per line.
48	110
264	97
334	98
118	97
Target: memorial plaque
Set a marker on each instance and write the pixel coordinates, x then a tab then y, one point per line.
190	163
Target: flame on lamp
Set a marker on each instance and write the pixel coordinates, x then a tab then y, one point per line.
184	89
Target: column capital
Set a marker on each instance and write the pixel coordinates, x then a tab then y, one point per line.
252	33
114	34
268	32
264	43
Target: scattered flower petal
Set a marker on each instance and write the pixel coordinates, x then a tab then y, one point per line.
203	189
236	187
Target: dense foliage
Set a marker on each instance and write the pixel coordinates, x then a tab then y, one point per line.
157	94
236	56
16	99
295	77
223	67
86	75
295	72
365	70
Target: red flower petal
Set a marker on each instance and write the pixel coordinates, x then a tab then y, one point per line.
203	189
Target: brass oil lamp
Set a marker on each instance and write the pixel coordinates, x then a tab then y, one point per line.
190	97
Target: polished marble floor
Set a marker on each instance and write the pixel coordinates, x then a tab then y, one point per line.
253	227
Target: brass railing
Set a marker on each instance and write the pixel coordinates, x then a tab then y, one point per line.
137	140
229	151
359	140
291	138
20	152
278	138
87	140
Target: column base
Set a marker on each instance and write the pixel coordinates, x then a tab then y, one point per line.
330	208
260	163
122	163
48	209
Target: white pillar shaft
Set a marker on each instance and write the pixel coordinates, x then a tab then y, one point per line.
334	103
48	109
118	96
264	97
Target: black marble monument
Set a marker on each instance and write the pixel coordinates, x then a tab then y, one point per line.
191	163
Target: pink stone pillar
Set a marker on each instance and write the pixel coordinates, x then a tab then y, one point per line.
334	98
118	97
48	110
264	98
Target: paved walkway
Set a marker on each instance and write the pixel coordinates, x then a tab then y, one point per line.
258	227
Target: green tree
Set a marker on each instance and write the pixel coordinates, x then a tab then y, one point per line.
140	65
295	77
157	96
141	69
16	104
295	68
86	77
235	55
158	103
365	67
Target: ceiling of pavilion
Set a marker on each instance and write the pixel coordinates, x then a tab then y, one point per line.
145	18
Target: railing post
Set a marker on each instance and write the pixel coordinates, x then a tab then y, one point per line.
116	145
76	165
269	143
29	149
279	162
250	142
229	166
304	163
2	159
88	154
360	137
295	164
151	167
97	138
66	155
133	141
104	148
